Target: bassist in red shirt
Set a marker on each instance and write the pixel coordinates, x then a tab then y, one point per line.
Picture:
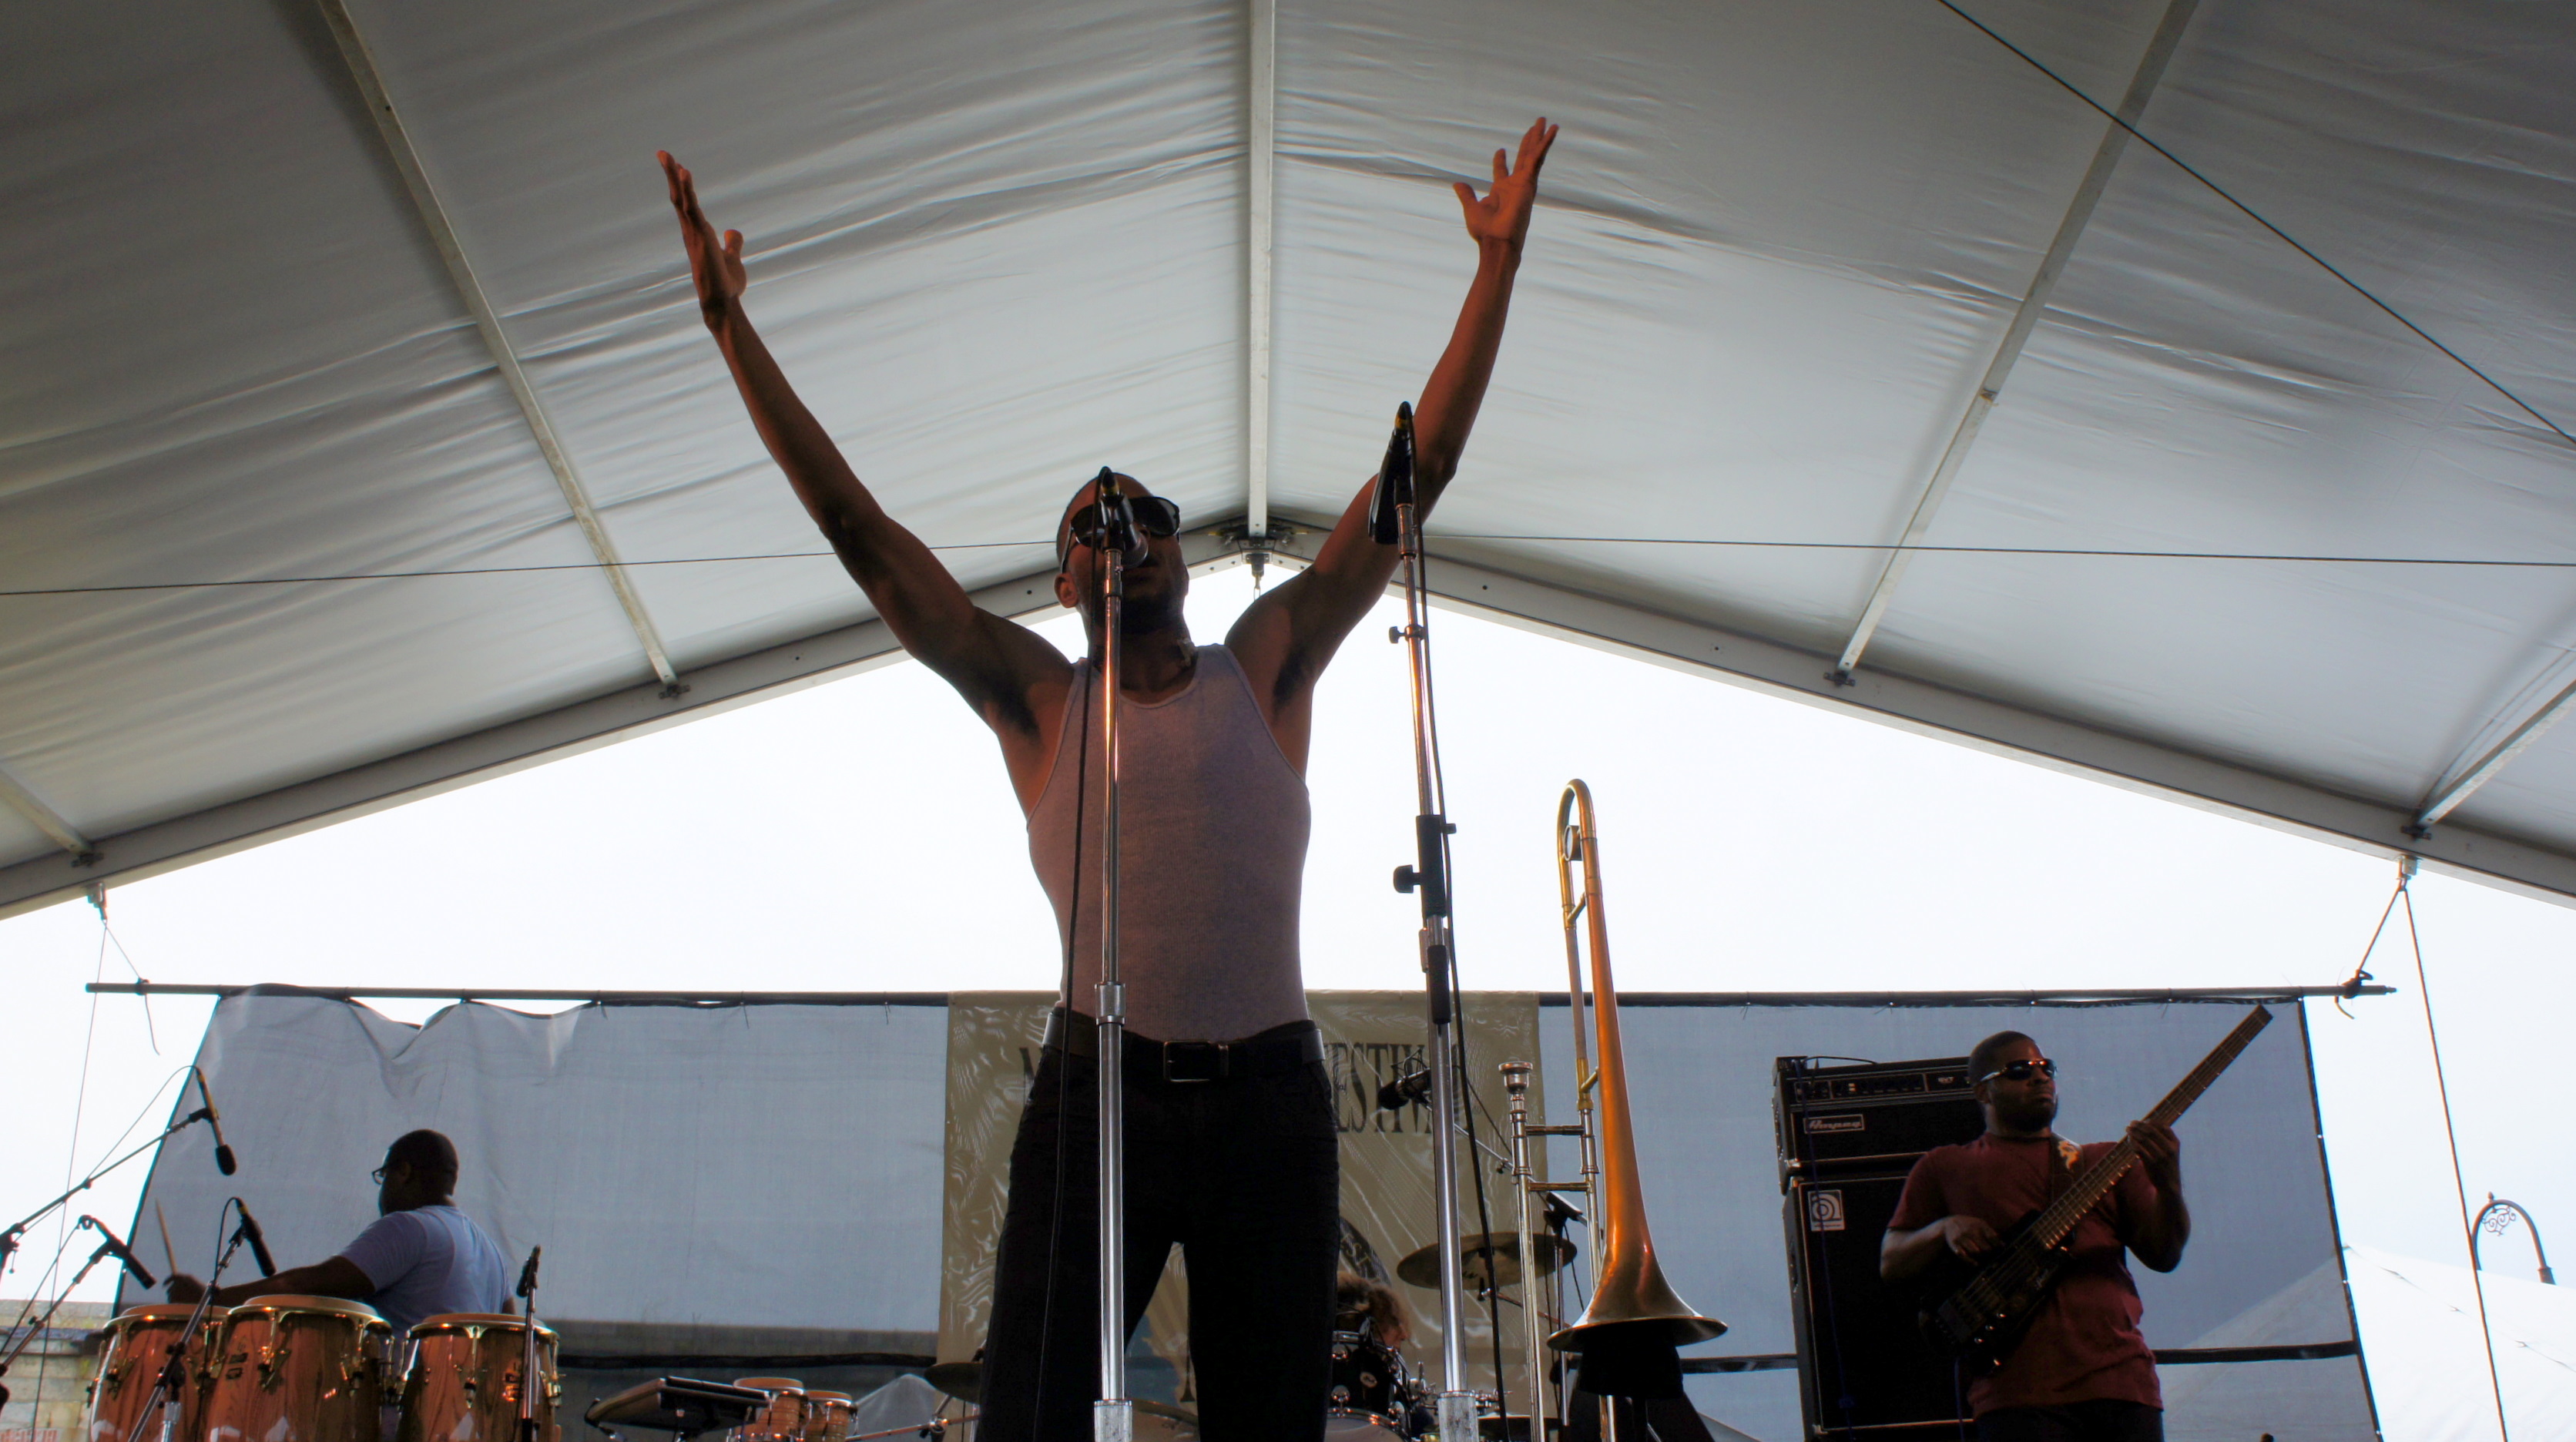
2082	1372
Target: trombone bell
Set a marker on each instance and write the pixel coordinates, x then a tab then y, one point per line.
1628	1334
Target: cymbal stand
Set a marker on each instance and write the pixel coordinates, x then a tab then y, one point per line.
1113	1416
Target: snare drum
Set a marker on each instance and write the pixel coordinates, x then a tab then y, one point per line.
783	1420
463	1385
827	1416
1371	1398
298	1369
137	1348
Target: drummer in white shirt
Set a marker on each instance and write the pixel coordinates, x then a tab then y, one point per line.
420	1258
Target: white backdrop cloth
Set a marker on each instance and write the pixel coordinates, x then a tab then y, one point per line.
764	1166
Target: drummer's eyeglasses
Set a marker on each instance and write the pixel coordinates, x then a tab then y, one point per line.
378	1175
1155	516
2021	1071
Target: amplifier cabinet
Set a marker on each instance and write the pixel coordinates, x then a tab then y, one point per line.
1849	1132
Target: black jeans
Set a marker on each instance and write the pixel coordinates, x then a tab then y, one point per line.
2103	1420
1244	1174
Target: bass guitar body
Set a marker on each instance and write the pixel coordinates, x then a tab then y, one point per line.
1978	1314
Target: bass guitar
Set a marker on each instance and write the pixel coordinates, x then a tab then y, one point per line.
1980	1321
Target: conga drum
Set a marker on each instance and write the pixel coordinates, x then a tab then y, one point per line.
298	1369
783	1420
137	1348
827	1416
464	1381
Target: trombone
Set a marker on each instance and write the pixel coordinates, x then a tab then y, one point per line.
1629	1333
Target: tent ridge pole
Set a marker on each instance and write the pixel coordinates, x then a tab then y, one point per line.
487	321
1261	81
2034	303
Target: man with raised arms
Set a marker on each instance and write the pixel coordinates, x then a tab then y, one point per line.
1231	1150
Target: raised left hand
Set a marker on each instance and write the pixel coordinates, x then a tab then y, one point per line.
1503	216
2160	1152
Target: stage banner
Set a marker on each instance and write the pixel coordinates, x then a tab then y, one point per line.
1370	1038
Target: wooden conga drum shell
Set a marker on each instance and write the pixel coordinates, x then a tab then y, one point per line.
297	1369
784	1421
463	1384
827	1416
138	1344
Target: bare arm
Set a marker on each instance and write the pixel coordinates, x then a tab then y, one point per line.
336	1277
998	666
1902	1256
1285	638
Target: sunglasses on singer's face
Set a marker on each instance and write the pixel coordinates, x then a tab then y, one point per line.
2022	1071
1154	515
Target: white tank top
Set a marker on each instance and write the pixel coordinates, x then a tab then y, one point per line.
1212	856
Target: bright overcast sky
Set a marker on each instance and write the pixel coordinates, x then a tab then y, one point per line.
860	835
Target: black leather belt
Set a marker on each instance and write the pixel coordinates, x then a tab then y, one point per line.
1276	1052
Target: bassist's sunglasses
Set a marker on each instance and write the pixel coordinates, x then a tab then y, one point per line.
2021	1071
1155	516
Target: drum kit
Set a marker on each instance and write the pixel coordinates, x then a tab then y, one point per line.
317	1369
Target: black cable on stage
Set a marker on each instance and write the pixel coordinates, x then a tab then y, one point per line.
2257	217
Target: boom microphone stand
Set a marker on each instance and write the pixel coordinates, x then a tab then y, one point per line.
1113	1416
1396	516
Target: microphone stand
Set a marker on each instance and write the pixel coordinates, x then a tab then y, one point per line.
9	1239
529	1381
1455	1409
167	1388
1113	1416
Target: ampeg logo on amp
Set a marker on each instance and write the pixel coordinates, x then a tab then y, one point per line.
1825	1210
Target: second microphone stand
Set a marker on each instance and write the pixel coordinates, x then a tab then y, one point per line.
1113	1417
1396	515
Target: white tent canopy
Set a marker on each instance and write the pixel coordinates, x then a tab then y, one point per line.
998	244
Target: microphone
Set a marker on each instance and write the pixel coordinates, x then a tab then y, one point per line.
1413	1088
528	1273
224	1162
250	1233
1116	520
117	1249
1394	479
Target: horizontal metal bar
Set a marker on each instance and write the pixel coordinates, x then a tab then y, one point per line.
2109	996
1467	576
508	993
940	998
166	846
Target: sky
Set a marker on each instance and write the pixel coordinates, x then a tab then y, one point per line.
860	835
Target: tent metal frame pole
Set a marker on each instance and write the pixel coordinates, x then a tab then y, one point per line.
487	321
2034	303
1262	83
162	846
1630	999
2446	799
57	827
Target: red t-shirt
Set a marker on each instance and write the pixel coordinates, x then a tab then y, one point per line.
2084	1343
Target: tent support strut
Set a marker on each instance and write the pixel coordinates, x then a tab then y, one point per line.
2034	303
442	234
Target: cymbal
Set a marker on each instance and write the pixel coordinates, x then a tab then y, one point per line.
965	1382
1500	1250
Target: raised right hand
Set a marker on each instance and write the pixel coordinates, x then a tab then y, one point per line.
1970	1237
715	262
